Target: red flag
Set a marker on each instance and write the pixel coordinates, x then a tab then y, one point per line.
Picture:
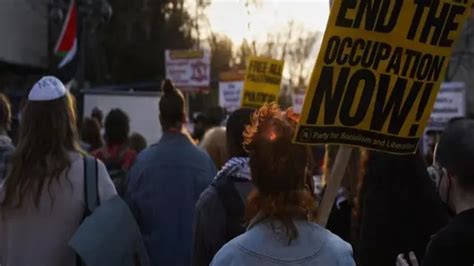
66	46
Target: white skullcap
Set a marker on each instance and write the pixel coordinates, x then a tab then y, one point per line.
46	89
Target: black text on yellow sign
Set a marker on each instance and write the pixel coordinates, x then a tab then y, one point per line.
378	72
262	81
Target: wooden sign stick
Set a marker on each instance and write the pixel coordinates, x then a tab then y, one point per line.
333	182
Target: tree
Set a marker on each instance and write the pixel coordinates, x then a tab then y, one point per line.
243	52
221	54
132	45
299	58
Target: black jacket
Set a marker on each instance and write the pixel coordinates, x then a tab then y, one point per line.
454	244
399	209
219	216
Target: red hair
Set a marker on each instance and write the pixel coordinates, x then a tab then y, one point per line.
279	169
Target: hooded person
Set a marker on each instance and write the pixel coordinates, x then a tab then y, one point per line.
42	199
220	209
165	183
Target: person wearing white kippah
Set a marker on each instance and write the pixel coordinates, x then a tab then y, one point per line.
42	201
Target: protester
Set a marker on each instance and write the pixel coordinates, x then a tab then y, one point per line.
199	127
117	155
137	142
214	116
398	208
220	209
98	115
454	177
165	184
90	134
214	143
214	137
281	209
6	144
42	199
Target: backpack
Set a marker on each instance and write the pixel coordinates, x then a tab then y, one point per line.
233	204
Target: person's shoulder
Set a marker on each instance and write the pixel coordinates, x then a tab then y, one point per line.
201	155
445	239
230	254
130	152
99	153
208	198
146	154
438	250
332	243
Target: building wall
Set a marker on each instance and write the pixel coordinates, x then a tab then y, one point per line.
24	32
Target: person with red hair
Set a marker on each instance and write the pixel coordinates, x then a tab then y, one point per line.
281	210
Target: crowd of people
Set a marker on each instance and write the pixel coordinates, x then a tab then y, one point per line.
236	191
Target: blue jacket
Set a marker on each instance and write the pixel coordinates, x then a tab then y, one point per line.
163	188
261	246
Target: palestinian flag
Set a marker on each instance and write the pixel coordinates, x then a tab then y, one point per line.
66	46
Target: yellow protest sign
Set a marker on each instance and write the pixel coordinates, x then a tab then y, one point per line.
262	81
378	72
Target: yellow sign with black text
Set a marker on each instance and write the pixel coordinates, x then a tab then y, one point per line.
379	71
262	81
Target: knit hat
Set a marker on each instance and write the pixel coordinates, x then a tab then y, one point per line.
46	89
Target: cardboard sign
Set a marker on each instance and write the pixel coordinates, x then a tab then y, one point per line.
188	69
298	100
230	90
262	81
450	103
378	72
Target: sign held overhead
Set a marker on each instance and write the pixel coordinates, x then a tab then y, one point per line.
262	81
189	69
379	71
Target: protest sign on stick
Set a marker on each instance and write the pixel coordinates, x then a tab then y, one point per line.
190	70
230	89
262	81
377	77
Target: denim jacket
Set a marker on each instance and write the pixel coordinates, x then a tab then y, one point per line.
163	187
262	246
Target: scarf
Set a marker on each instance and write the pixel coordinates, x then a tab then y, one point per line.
236	166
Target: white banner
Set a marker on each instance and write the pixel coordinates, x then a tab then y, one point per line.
230	93
188	69
450	103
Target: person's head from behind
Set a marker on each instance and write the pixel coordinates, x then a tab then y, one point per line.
454	161
98	115
137	142
279	169
90	133
214	116
5	113
235	128
199	122
48	134
117	127
172	114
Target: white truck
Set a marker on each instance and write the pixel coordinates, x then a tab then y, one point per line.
141	107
